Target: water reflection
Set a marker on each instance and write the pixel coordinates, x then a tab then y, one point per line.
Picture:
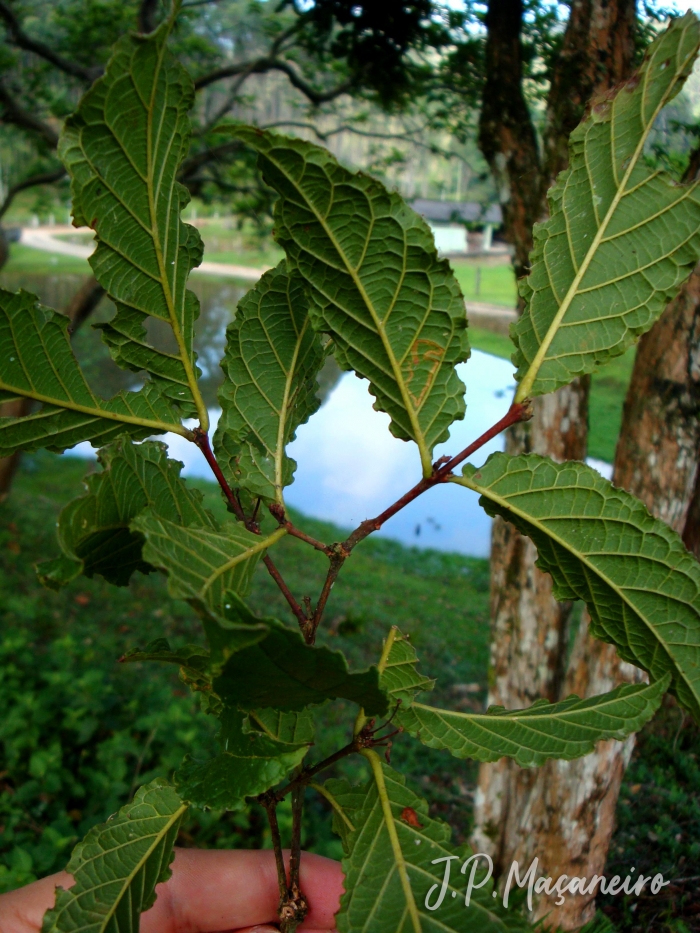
349	466
217	297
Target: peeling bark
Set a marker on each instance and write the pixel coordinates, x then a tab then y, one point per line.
565	811
521	813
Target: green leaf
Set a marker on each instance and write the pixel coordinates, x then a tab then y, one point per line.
568	729
118	865
249	764
203	563
389	867
37	362
397	669
123	148
283	672
621	236
194	661
94	531
346	799
376	285
272	359
600	544
289	728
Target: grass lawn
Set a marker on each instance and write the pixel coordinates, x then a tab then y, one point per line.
79	732
495	281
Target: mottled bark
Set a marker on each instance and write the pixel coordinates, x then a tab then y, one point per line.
83	303
506	134
519	813
564	812
596	54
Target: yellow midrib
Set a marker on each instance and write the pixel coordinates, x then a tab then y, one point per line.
174	323
426	462
505	504
255	549
530	376
99	412
141	862
399	859
279	453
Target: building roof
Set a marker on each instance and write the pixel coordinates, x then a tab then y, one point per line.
457	211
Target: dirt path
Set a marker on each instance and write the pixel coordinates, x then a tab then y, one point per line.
45	238
491	317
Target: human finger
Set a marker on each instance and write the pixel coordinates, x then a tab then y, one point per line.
216	890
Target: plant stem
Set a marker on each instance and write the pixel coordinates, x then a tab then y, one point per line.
201	439
339	553
287	593
364	738
269	801
296	906
277	511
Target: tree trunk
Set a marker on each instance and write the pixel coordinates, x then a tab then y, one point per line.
516	811
573	803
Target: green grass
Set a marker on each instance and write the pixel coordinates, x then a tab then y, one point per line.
79	732
496	281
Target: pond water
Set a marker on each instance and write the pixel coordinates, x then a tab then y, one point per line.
349	466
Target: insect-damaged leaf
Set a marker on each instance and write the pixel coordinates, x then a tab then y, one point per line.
37	362
94	531
249	763
621	237
394	309
283	672
545	730
118	865
123	148
272	359
600	544
389	865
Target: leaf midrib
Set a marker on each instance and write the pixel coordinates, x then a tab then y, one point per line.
399	859
98	412
489	494
352	271
527	383
128	879
248	553
165	282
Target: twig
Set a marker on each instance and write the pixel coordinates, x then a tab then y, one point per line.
269	802
366	737
339	553
296	906
287	593
270	63
14	113
45	178
201	439
278	512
